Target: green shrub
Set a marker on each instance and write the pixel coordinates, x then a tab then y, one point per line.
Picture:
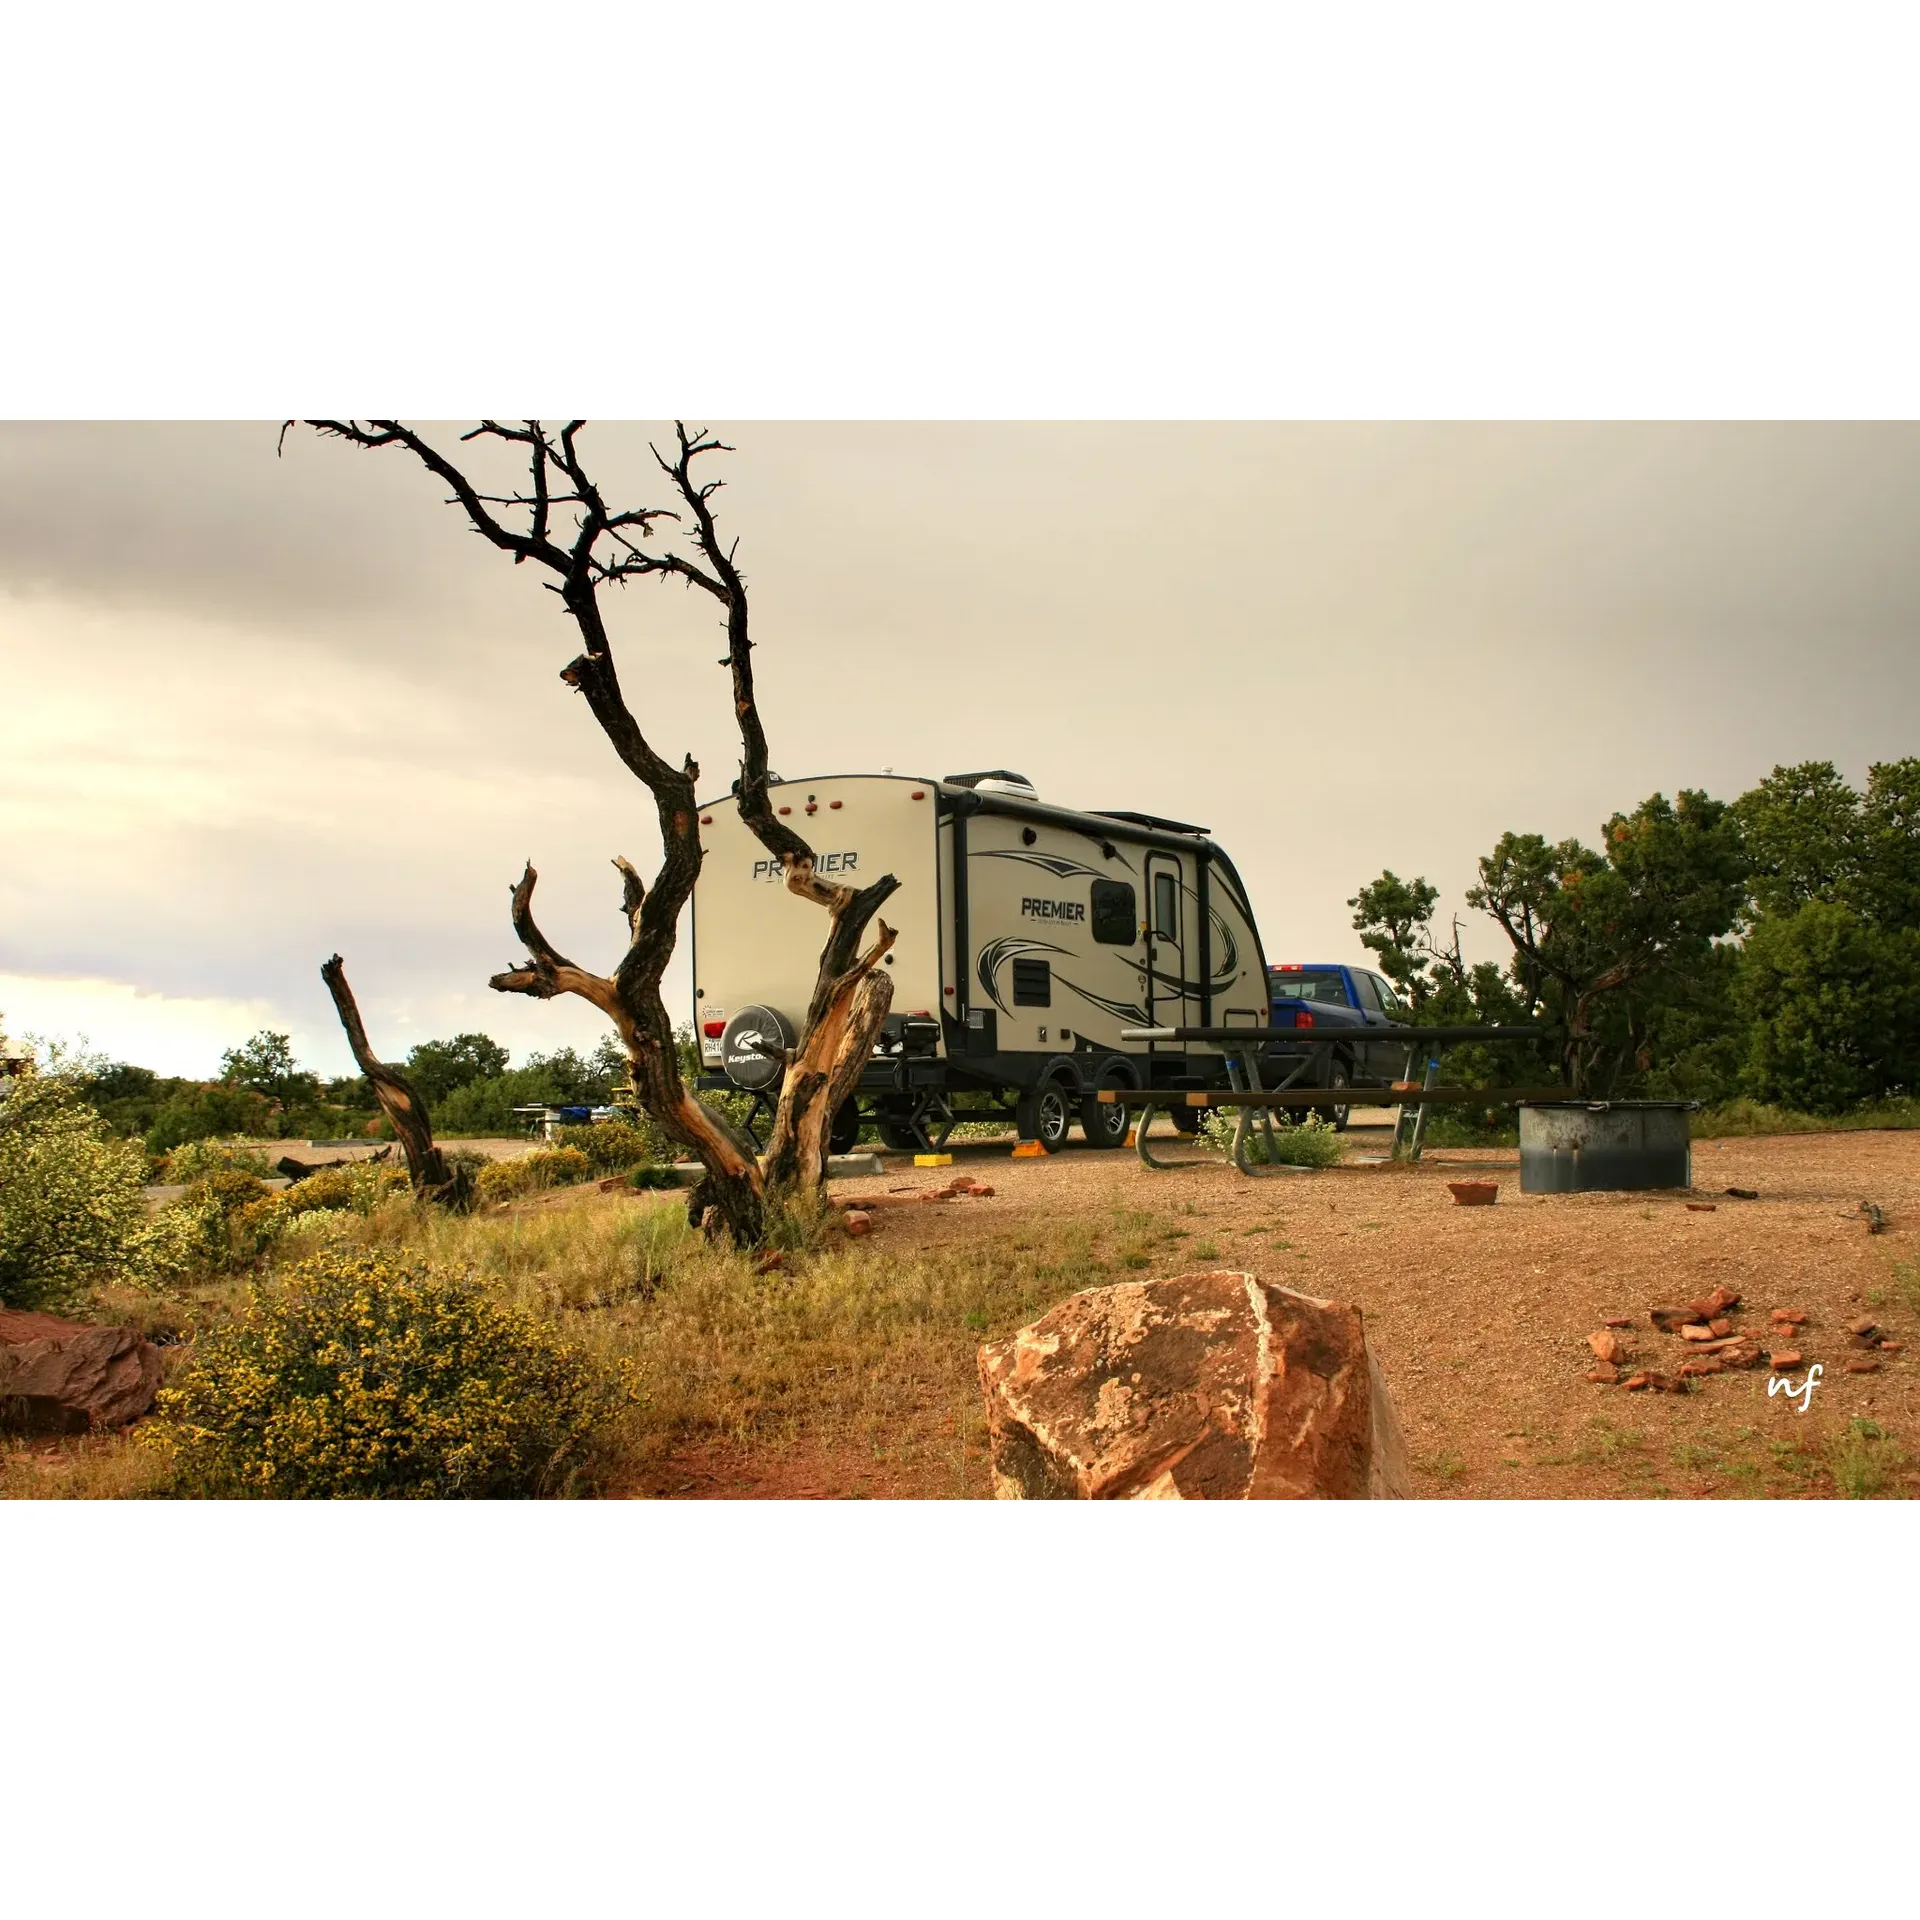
611	1146
644	1177
534	1172
72	1214
196	1159
359	1375
1309	1142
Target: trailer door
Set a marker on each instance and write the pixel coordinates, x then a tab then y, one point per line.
1166	944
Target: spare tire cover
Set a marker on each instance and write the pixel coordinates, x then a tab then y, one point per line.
753	1048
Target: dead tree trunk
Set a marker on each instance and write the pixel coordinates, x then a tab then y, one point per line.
852	992
427	1166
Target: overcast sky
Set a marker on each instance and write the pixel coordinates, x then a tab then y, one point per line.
258	709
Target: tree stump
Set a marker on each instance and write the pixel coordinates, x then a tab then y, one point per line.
1208	1386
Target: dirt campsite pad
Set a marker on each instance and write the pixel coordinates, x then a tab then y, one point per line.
1481	1316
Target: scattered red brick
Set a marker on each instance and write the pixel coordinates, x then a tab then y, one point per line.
1694	1331
1618	1320
1699	1369
1666	1383
858	1222
1606	1348
1785	1361
1473	1193
1742	1193
1638	1381
1891	1346
1863	1327
1701	1206
1863	1366
1789	1316
1720	1328
1672	1319
1604	1375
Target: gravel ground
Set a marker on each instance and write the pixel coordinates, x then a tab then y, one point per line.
1480	1316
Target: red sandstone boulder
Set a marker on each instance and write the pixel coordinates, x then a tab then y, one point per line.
1207	1386
61	1375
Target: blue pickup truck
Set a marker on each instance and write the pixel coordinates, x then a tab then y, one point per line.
1312	995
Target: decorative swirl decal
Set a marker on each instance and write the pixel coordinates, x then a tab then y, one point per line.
1056	864
995	955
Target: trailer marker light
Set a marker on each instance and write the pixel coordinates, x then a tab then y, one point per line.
713	1029
836	803
786	809
948	991
919	793
706	819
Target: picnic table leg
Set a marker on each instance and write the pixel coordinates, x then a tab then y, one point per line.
1252	1066
1141	1128
1420	1116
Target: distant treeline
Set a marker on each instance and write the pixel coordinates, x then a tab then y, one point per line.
1766	947
263	1093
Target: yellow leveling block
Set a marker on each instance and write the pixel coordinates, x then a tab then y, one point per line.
933	1159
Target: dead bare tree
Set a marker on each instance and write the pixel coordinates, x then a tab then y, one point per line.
852	991
427	1166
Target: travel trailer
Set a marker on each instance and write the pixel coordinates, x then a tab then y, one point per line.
1030	937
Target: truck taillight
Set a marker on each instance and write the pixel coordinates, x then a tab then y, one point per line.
713	1029
1303	1018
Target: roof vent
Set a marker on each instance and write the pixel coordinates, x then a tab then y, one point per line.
997	780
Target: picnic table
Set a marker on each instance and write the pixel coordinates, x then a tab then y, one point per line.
1247	1098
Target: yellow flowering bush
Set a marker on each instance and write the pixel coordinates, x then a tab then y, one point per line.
196	1159
356	1375
533	1172
358	1188
71	1211
611	1146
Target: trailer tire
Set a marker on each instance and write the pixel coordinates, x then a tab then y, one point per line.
1186	1119
844	1135
899	1136
1103	1124
1046	1112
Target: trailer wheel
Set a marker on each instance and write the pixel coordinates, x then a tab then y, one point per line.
1102	1125
900	1136
1046	1113
1187	1119
844	1134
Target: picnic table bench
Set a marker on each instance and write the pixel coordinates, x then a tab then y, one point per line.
1246	1096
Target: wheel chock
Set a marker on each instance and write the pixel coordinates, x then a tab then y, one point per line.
1029	1150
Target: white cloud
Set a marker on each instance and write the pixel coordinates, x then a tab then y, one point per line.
172	1034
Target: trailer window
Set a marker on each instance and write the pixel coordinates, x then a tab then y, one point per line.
1166	906
1032	983
1115	919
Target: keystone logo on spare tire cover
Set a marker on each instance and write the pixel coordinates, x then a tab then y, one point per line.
754	1047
